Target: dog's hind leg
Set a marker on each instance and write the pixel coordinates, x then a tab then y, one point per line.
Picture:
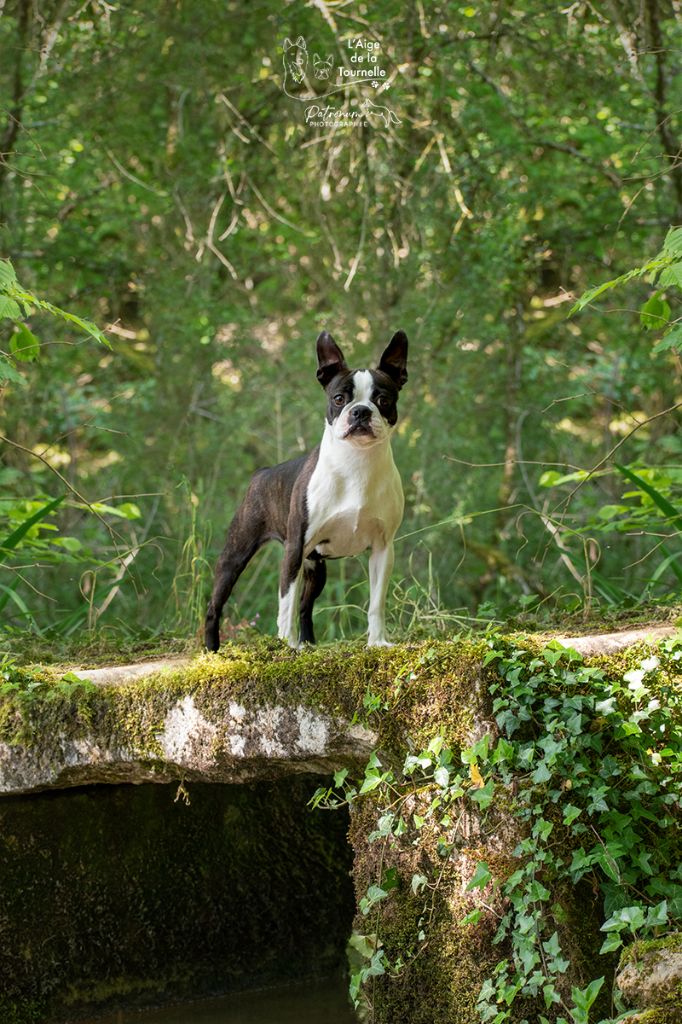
240	547
290	581
314	579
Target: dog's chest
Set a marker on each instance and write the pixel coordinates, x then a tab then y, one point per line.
352	508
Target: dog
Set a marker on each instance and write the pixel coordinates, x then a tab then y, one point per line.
295	59
342	498
322	67
385	113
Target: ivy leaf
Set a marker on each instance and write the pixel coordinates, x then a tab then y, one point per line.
472	918
611	943
541	774
585	997
418	883
481	877
658	915
484	797
571	812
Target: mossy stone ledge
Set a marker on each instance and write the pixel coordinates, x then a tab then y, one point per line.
264	726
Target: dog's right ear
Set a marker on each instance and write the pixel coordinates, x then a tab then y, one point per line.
288	43
330	359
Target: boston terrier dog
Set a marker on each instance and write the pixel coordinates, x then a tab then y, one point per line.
344	497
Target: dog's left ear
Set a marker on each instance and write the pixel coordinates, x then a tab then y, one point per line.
393	362
330	359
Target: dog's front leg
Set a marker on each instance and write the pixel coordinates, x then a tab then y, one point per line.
291	575
380	568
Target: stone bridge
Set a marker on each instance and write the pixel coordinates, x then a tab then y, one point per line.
212	873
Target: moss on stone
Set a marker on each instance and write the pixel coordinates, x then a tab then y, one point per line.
427	688
418	690
659	1015
636	950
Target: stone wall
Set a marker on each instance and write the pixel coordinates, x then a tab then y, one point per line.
119	895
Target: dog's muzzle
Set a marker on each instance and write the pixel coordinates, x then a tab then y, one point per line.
359	421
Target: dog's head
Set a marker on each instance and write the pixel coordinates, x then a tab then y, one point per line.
295	58
322	67
362	407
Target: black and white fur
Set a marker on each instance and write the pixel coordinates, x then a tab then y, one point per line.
342	498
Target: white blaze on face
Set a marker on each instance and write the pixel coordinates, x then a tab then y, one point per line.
363	386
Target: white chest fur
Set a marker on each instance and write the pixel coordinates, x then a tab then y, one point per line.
354	498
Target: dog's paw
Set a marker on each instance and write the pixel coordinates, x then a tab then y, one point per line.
380	643
291	642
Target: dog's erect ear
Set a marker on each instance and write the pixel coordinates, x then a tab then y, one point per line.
330	359
301	42
288	43
394	359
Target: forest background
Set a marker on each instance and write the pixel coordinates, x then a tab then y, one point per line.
158	179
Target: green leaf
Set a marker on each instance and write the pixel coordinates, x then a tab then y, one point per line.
671	276
8	372
657	916
7	275
672	339
551	478
585	997
655	313
484	796
591	294
371	782
24	345
473	917
611	943
9	309
481	876
571	812
9	543
365	945
374	895
672	246
659	499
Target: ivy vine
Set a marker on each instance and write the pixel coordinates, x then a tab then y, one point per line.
588	764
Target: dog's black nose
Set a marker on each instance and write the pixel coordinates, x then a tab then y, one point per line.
361	414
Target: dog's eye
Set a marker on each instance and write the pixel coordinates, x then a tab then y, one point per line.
383	402
339	399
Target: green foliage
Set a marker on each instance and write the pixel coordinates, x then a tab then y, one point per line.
655	312
158	179
24	347
29	689
588	762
